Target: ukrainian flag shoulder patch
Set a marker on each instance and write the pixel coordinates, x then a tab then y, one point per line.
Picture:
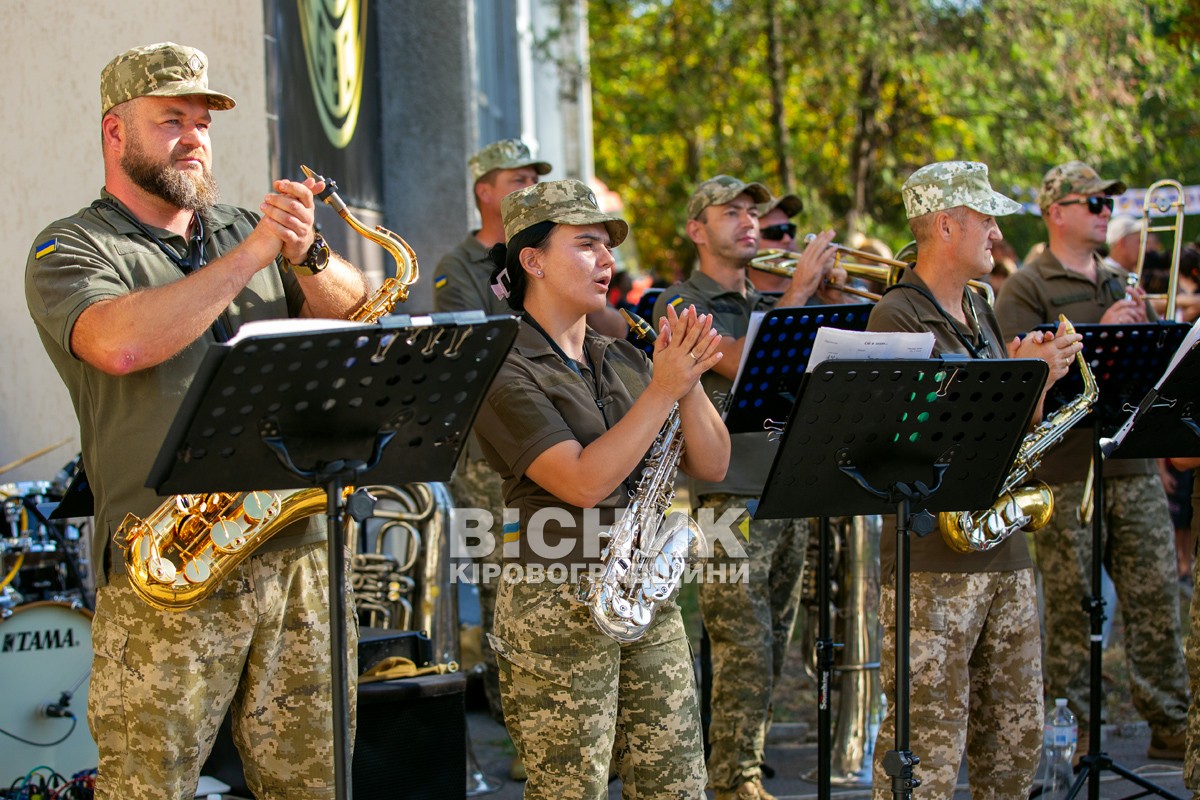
45	248
440	282
675	301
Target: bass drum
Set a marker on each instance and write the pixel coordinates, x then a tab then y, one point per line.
45	651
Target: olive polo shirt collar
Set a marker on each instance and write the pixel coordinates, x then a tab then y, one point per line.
531	344
709	286
215	218
1049	267
477	251
927	312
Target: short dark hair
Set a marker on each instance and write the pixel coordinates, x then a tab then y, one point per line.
508	257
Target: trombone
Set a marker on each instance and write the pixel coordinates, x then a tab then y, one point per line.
856	263
1164	202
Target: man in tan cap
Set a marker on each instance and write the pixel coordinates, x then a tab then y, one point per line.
128	295
1070	278
975	650
461	283
748	624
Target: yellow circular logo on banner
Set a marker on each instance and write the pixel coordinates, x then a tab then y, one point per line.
335	35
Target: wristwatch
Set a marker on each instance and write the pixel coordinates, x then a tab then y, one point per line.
317	260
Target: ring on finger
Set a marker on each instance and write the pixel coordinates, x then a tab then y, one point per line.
693	355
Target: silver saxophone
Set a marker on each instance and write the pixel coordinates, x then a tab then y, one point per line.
645	557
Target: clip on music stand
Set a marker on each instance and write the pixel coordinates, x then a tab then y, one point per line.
902	437
1127	360
770	378
393	401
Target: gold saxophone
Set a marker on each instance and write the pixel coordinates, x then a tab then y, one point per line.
1021	506
177	555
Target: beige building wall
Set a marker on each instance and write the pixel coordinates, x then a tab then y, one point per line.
51	54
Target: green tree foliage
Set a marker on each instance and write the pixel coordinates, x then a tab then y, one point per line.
839	102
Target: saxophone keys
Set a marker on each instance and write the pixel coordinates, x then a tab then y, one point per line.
199	569
259	506
227	536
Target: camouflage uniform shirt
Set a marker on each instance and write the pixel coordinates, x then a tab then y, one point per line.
462	280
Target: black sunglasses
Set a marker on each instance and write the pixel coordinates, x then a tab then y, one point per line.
1095	204
776	232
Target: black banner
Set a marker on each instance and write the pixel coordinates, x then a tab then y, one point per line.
323	93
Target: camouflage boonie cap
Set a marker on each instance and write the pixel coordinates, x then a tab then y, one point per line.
949	184
504	154
789	204
567	202
160	70
1074	177
722	189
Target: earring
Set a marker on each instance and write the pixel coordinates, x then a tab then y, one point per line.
539	273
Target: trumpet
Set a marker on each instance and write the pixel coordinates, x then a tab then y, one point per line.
1164	201
856	263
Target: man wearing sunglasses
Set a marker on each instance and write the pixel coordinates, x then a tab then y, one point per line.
1070	278
778	232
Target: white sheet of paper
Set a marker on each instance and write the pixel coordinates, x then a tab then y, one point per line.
838	344
290	325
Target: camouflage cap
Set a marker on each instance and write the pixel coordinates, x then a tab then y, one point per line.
721	190
1074	177
160	70
789	204
504	154
949	184
567	202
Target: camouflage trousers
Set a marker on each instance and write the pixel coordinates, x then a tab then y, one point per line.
477	485
976	683
1191	761
162	681
749	625
576	699
1139	553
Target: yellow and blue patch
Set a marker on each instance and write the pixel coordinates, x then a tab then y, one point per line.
676	301
511	531
45	248
440	282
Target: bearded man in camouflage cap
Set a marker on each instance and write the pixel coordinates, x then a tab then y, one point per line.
127	295
749	623
976	679
1070	278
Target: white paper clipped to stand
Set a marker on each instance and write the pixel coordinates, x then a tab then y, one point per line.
290	325
1193	337
836	344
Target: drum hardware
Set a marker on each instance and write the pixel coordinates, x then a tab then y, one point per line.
46	650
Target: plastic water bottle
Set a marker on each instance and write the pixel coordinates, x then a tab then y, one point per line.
1058	748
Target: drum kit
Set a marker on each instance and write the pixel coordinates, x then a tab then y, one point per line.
45	629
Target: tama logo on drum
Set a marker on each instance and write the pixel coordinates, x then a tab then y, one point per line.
49	639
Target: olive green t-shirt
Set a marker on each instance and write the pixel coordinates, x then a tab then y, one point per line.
97	254
538	400
1037	293
902	309
751	454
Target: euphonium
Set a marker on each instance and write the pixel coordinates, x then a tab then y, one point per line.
1021	507
178	554
645	557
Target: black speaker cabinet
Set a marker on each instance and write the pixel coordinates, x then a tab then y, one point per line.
411	742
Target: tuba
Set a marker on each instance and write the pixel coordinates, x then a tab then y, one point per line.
1021	506
178	554
645	557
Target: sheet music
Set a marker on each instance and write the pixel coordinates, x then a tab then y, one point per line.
290	325
836	344
1193	336
756	318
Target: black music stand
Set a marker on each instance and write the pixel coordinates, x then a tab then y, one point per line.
902	437
392	401
774	363
1127	360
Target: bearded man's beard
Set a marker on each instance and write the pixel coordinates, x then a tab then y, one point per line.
182	189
